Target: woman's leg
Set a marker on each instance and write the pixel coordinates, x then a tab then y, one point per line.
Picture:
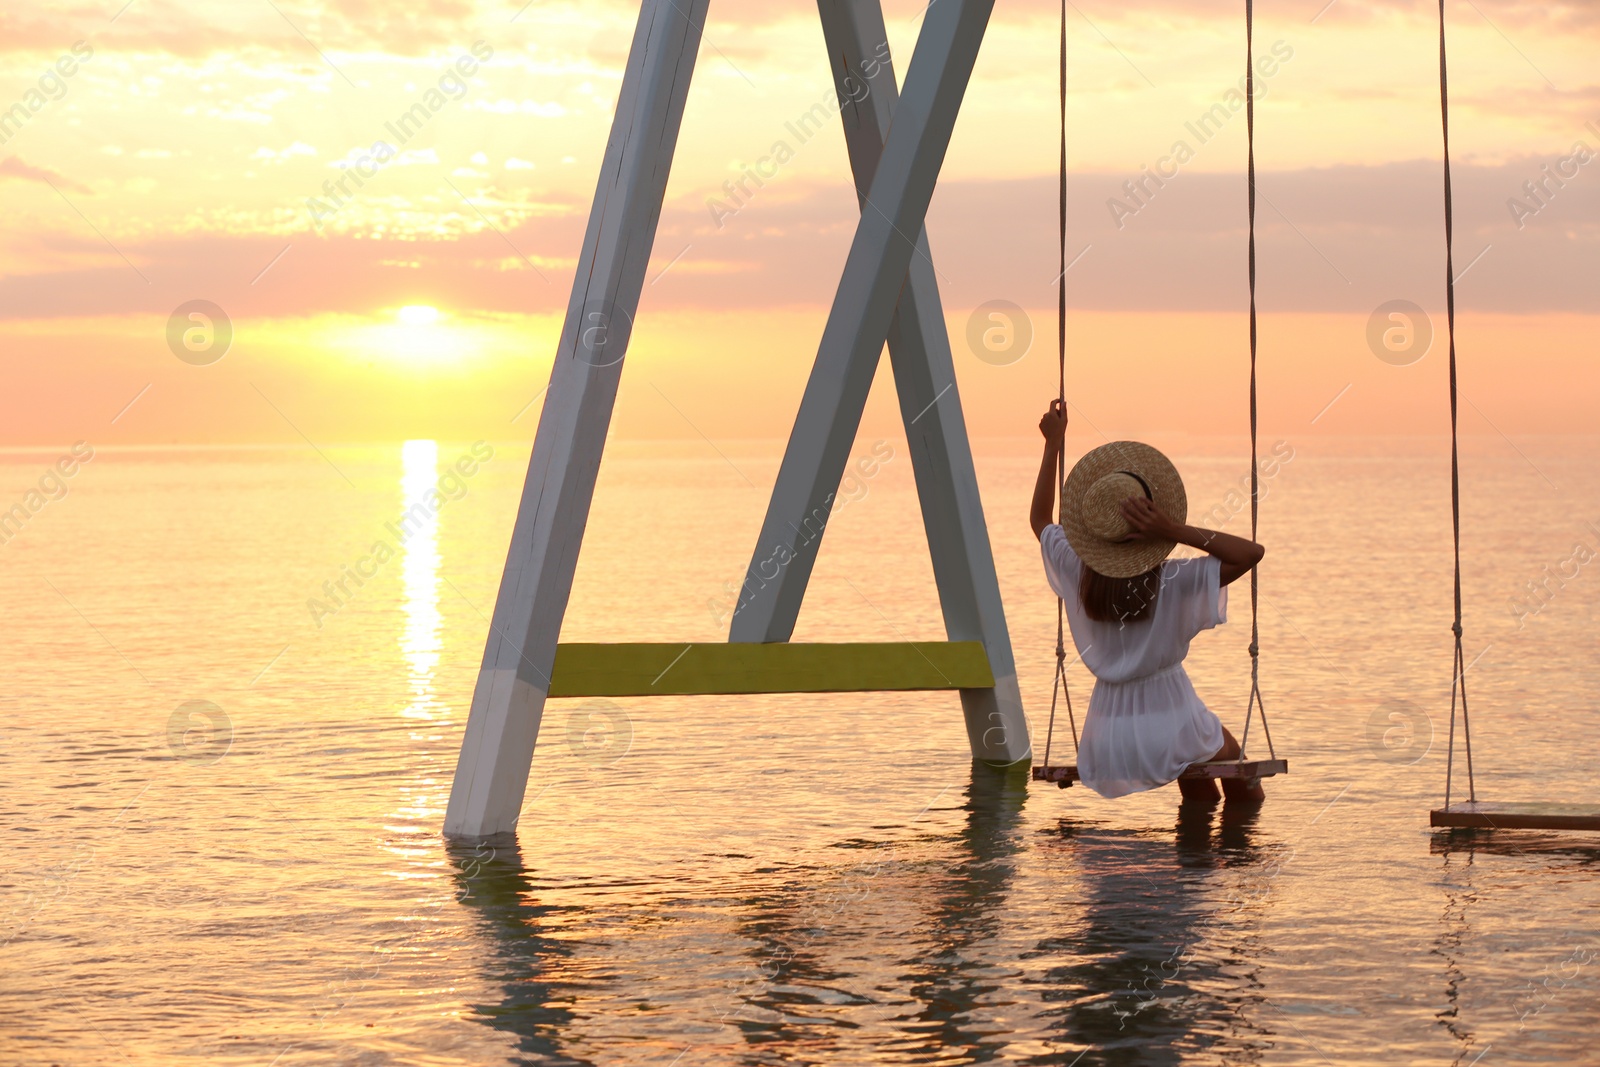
1202	790
1199	790
1246	789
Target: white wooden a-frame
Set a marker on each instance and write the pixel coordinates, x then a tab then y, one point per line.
895	168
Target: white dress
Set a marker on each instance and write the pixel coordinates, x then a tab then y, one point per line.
1145	722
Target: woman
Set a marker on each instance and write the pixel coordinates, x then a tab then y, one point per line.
1133	613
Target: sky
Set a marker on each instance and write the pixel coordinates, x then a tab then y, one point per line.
154	154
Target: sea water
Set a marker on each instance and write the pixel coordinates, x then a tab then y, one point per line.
236	681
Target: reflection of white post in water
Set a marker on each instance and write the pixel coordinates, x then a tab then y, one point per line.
419	472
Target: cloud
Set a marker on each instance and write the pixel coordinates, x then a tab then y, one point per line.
1338	239
417	157
297	30
1559	111
14	167
298	148
1332	239
291	30
504	106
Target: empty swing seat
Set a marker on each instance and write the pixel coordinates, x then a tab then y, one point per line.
1250	768
1485	815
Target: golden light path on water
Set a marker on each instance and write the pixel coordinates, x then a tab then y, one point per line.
419	562
420	645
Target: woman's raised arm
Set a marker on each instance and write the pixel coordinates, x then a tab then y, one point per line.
1054	427
1238	555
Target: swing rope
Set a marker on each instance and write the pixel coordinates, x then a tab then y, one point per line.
1458	680
1255	463
1058	687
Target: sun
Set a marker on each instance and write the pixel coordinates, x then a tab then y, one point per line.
417	334
419	315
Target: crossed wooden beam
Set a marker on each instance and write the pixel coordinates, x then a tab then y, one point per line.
887	291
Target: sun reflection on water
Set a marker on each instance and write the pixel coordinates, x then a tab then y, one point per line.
420	641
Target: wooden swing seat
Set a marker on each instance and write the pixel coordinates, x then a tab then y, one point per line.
1064	776
1517	816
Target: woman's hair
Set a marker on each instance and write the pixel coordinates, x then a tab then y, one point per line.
1118	599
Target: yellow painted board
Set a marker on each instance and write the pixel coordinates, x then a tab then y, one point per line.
665	669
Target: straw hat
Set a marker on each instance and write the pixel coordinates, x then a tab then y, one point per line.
1091	506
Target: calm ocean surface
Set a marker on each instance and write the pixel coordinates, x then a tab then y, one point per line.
221	807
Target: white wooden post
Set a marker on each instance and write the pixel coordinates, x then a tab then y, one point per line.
919	348
508	702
